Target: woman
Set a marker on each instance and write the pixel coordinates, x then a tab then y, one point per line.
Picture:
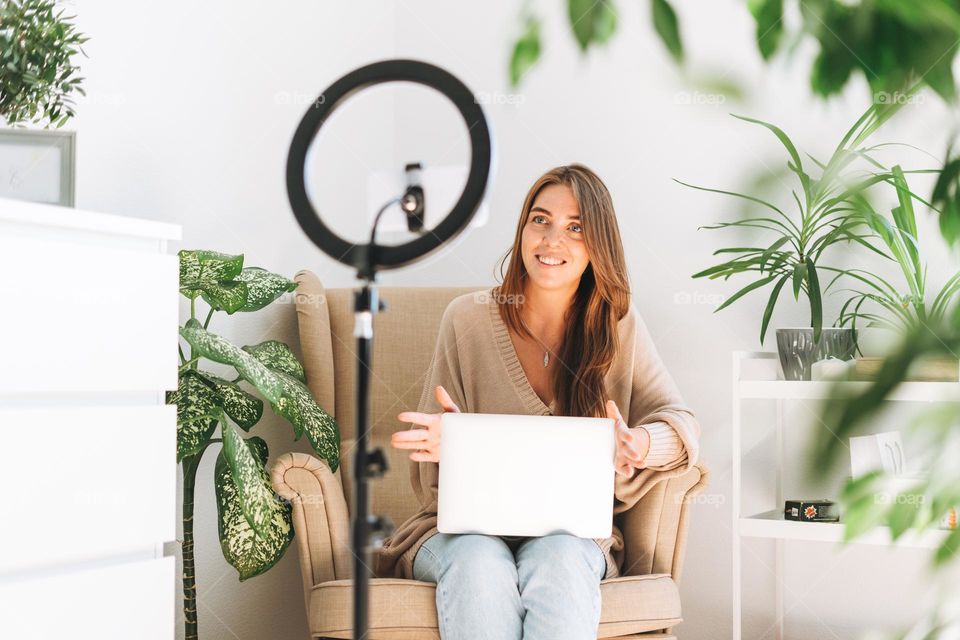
559	336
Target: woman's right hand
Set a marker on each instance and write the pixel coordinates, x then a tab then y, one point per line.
424	442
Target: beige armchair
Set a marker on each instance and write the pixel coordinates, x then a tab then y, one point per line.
642	603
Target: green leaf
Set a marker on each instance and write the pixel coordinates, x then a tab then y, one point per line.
769	17
747	289
946	198
263	287
278	356
526	51
769	251
197	410
666	25
799	274
207	270
816	303
771	303
249	552
796	164
243	408
211	346
302	411
246	471
592	21
903	513
226	296
832	67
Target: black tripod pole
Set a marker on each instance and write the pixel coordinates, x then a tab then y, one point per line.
367	531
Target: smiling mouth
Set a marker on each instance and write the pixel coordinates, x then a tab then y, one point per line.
555	262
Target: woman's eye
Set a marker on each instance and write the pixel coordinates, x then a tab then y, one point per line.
577	228
535	218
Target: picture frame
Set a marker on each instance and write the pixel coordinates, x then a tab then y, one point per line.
38	166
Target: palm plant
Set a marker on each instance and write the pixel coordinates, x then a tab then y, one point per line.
824	204
255	527
904	311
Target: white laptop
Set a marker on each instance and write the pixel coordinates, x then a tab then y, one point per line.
557	476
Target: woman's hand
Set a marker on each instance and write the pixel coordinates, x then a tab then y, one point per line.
425	442
632	446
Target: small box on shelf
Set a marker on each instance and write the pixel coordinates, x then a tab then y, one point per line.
811	511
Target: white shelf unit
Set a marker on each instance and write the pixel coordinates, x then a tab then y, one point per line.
771	524
88	482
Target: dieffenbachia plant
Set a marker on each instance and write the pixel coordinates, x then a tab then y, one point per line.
255	526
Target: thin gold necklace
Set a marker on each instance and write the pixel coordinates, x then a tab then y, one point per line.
546	350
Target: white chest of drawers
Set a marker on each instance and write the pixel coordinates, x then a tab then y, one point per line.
88	323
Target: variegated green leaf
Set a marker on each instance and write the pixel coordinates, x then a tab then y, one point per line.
288	396
226	296
244	408
263	287
197	405
298	406
246	470
200	270
278	357
249	552
210	345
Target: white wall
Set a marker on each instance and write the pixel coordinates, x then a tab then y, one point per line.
190	111
189	115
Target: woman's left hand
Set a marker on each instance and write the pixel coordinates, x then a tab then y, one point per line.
632	445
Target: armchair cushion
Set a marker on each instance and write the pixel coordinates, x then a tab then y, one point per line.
404	609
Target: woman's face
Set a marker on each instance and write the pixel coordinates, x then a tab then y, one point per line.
552	231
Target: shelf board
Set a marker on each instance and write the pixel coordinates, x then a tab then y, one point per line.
771	524
818	389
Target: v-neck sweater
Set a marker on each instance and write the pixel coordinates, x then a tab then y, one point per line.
476	362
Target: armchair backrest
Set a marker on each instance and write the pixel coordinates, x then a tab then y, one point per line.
405	336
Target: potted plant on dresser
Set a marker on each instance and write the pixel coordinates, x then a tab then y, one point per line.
38	84
796	249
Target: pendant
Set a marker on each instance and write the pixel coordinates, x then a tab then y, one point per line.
546	358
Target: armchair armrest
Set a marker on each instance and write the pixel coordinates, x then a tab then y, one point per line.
321	520
655	529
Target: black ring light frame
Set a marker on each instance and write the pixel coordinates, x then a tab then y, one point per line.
366	530
390	257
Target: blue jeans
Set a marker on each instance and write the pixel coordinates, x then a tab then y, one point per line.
542	588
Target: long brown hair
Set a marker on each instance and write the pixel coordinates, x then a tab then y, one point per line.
603	297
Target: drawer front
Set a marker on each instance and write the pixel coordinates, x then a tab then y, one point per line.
86	316
83	482
121	602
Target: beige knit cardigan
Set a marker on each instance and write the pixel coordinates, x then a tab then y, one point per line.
476	362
